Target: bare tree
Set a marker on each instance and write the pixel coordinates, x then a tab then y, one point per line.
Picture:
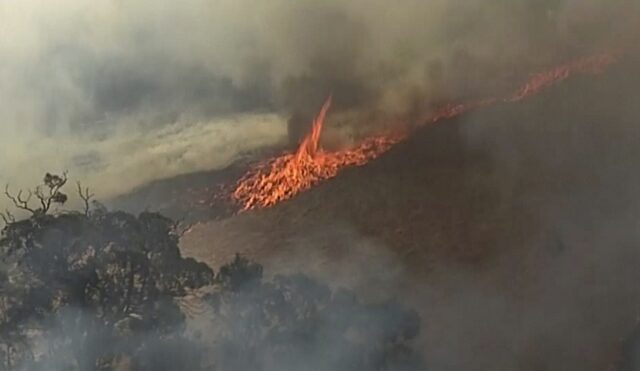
48	193
86	196
20	202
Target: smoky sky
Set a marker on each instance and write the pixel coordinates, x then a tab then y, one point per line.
120	93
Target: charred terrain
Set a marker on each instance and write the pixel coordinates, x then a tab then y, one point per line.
512	228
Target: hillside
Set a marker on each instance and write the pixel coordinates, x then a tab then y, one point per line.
513	229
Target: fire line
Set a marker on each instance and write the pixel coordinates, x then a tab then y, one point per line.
285	176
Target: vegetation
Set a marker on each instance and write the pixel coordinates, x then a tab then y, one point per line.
83	290
295	323
98	290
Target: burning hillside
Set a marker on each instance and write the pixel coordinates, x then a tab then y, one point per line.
284	176
512	228
309	137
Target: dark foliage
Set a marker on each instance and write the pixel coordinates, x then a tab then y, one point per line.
295	323
84	289
96	290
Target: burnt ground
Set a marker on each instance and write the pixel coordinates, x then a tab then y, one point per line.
513	230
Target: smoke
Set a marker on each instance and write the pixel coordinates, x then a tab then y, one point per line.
558	298
122	93
513	229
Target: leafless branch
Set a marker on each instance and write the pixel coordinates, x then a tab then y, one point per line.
86	197
7	217
48	194
43	199
20	202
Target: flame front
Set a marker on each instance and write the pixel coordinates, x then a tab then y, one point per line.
283	177
291	173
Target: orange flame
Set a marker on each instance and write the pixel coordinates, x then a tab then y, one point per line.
590	65
309	145
285	176
291	173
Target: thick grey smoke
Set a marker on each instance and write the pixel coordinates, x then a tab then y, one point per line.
121	93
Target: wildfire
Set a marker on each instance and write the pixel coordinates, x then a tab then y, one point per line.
591	65
283	177
291	173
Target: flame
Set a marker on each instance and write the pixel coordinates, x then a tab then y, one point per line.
285	176
291	173
309	145
590	65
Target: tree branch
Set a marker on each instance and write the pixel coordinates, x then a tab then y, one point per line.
86	197
18	201
54	183
7	217
44	205
54	196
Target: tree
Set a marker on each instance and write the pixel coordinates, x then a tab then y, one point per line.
97	290
293	323
88	289
48	194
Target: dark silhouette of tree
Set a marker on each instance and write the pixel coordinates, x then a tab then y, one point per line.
48	194
97	290
85	289
295	323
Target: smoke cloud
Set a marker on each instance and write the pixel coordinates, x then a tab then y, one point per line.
122	93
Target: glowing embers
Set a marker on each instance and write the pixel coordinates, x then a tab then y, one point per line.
281	178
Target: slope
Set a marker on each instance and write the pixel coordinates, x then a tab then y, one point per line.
512	228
